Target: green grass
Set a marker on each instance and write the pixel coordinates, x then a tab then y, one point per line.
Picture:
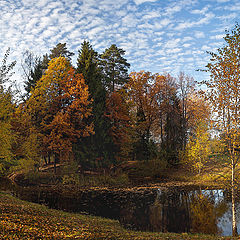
24	220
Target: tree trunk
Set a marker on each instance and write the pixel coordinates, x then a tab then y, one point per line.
56	160
45	159
234	225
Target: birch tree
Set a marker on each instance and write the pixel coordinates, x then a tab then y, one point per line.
224	95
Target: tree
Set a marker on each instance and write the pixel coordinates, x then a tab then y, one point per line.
5	69
6	135
114	67
224	95
32	69
58	106
173	141
6	110
186	86
95	150
142	91
117	111
198	147
61	51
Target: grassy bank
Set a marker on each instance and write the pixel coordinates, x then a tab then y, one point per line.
24	220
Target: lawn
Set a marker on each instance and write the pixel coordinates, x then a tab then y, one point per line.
24	220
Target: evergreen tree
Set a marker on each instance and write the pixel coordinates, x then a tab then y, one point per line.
173	130
95	150
114	68
33	70
61	51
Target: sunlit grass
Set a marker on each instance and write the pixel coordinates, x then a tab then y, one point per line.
24	220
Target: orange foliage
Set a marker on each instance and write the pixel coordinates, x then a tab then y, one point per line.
59	105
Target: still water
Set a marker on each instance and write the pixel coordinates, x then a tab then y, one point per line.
171	210
181	210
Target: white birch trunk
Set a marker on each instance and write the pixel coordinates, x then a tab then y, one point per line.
234	224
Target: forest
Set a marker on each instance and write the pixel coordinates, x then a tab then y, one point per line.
96	118
96	114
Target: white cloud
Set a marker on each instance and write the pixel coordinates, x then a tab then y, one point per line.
223	1
172	43
199	34
138	2
186	39
217	37
198	11
186	45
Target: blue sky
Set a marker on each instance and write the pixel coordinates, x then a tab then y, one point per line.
157	35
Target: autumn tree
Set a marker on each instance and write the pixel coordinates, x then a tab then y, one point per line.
117	111
186	88
59	105
114	67
224	95
27	145
169	118
142	96
6	110
198	147
6	135
60	50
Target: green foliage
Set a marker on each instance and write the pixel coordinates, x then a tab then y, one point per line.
60	50
173	141
96	150
114	68
33	70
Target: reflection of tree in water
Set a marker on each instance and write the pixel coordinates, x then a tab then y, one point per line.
176	210
205	212
170	212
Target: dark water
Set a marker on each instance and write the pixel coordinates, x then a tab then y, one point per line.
171	210
182	210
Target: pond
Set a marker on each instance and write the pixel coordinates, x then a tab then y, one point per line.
182	210
174	209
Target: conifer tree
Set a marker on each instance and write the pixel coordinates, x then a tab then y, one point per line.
95	150
114	68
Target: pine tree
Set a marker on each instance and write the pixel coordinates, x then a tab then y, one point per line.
95	150
114	68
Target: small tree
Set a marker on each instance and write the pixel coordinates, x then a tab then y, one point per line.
198	147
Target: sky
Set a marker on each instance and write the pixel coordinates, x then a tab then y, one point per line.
157	35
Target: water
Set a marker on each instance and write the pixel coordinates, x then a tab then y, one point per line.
170	210
182	210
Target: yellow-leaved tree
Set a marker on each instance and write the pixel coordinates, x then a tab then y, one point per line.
198	147
224	95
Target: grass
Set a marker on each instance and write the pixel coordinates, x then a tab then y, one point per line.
24	220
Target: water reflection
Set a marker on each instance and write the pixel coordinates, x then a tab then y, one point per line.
197	211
